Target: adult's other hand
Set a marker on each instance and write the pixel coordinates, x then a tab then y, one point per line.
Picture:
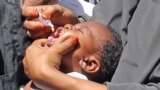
40	58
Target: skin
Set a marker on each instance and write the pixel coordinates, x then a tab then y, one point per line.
41	62
59	16
39	65
76	60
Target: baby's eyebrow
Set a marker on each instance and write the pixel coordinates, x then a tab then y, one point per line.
80	30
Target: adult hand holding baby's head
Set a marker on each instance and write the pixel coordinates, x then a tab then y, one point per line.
39	58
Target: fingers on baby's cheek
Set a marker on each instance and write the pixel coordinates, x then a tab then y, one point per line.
69	44
46	15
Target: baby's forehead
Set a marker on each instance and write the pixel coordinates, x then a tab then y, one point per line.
97	29
91	25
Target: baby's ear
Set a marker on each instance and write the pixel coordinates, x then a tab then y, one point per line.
90	64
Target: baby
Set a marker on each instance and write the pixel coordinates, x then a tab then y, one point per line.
97	54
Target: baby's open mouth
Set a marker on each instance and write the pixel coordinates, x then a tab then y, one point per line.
59	35
54	36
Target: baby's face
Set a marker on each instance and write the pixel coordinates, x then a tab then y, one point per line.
91	36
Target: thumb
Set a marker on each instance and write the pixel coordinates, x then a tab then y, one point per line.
65	46
30	12
40	42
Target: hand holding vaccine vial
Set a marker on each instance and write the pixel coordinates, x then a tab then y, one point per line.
46	22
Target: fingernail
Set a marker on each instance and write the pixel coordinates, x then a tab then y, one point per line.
34	13
46	15
74	39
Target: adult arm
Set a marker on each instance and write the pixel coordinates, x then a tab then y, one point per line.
60	81
41	65
148	83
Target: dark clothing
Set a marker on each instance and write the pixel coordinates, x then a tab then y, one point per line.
13	42
138	23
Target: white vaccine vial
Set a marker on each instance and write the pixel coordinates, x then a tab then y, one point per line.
46	22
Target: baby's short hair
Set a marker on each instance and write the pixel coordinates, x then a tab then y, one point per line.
110	56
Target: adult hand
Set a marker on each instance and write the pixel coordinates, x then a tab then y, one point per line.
59	16
40	58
